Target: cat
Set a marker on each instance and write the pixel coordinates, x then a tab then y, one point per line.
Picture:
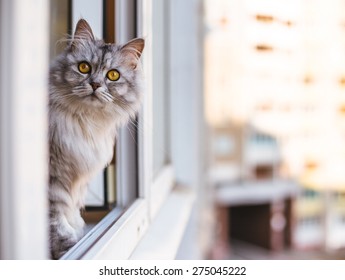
94	88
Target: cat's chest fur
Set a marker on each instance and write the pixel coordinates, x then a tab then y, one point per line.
87	141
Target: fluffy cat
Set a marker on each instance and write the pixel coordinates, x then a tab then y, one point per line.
94	88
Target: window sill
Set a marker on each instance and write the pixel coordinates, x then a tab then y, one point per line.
165	233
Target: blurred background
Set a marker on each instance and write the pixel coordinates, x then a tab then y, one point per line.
238	152
275	105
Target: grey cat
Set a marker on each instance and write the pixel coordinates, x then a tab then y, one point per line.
94	88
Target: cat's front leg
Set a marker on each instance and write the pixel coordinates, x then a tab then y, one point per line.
66	224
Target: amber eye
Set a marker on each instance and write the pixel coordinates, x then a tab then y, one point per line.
113	75
84	67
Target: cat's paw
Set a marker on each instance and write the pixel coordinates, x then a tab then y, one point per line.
60	245
62	238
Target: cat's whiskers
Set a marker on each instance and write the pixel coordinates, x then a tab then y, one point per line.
66	97
131	134
119	101
107	96
78	90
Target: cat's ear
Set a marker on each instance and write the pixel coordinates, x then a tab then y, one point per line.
82	31
133	50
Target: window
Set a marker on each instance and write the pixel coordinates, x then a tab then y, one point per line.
263	172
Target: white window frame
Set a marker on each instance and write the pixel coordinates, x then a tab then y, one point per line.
171	209
23	129
163	180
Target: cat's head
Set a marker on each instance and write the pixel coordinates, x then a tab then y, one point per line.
91	75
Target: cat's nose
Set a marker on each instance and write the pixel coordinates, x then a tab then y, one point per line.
95	85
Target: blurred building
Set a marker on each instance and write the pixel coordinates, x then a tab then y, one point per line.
279	69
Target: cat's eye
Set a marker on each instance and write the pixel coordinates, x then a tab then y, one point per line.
113	75
84	67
